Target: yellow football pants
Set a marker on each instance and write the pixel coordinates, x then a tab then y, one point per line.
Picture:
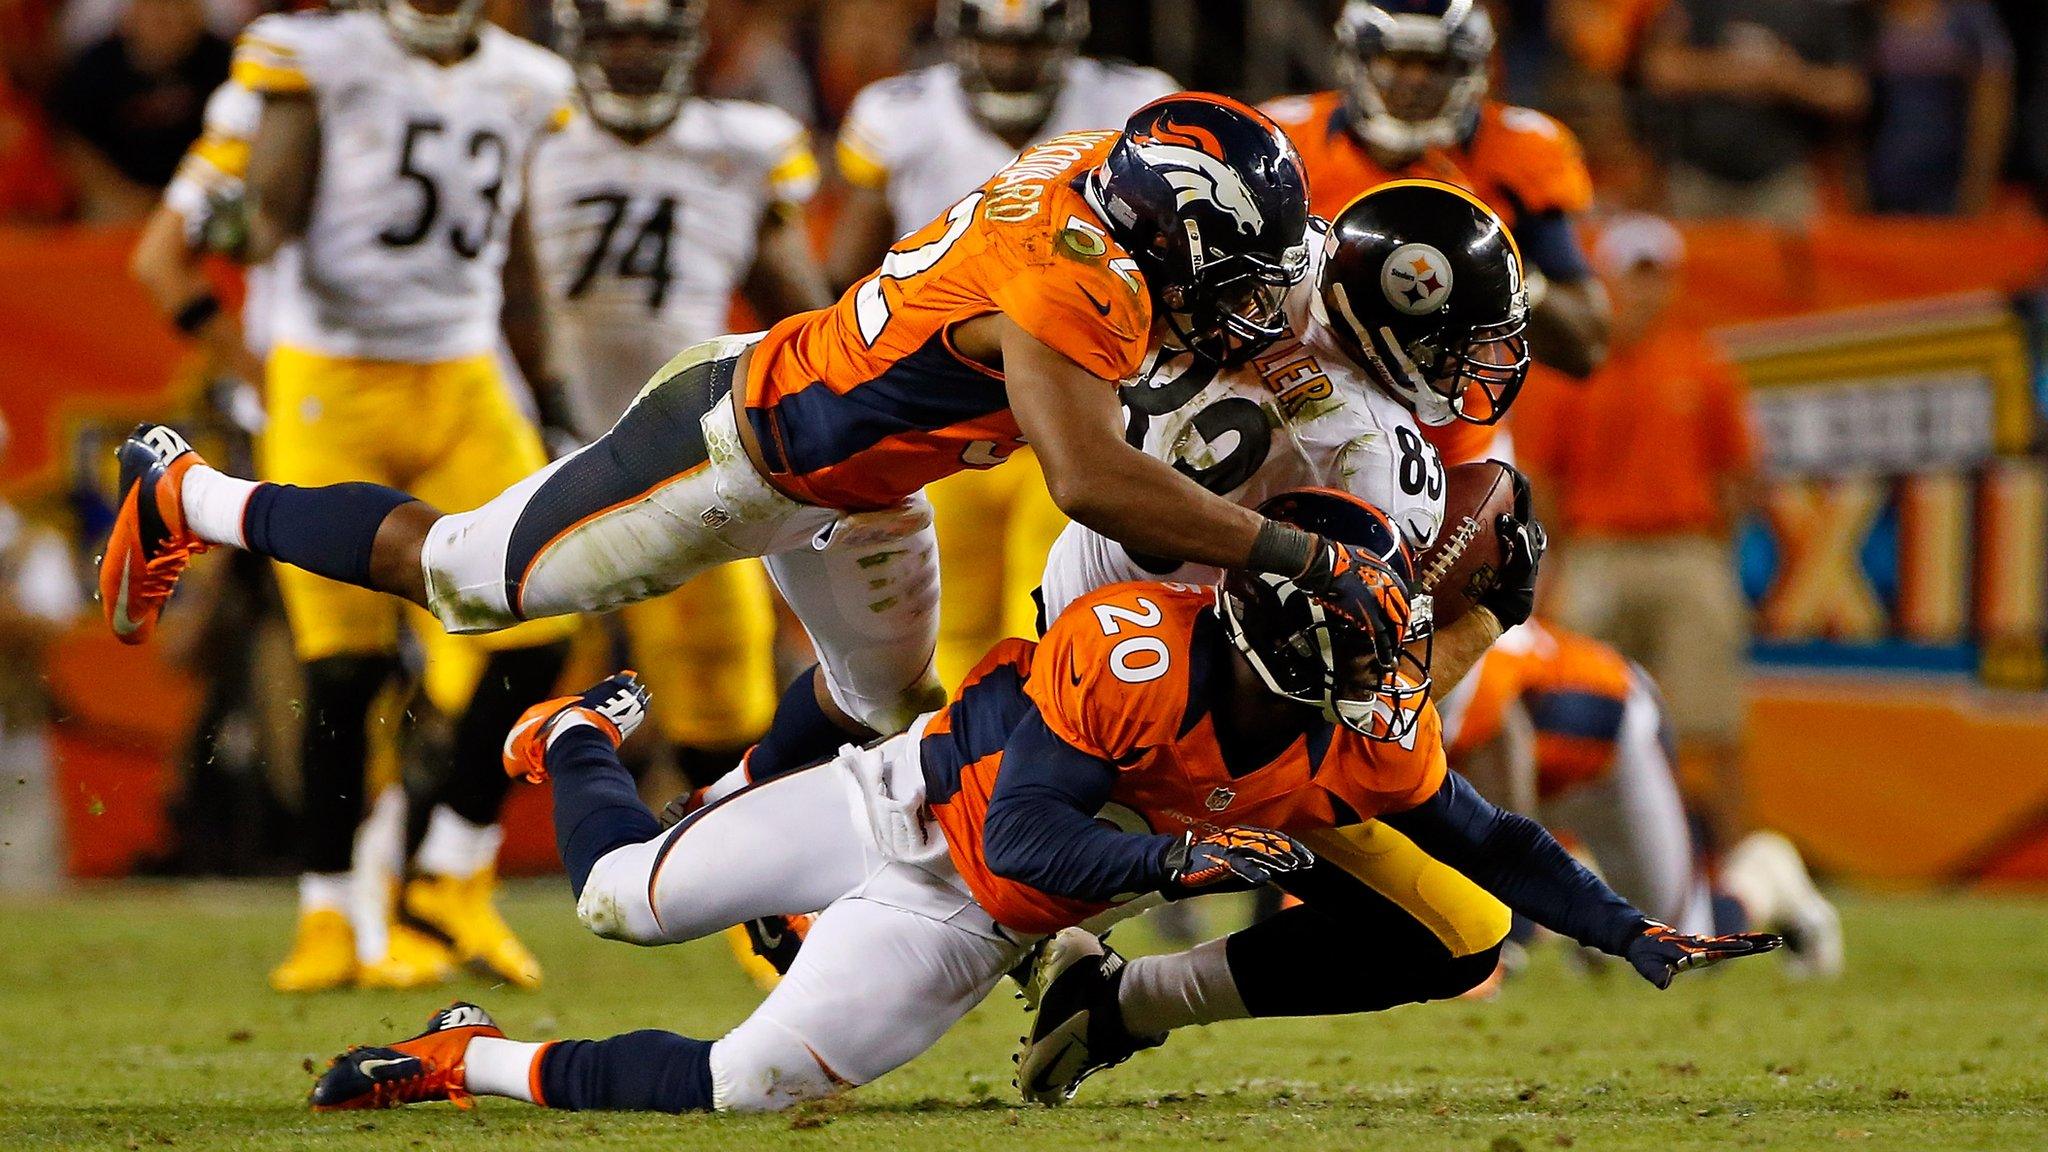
448	433
995	526
707	653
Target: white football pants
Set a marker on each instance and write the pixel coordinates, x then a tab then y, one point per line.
668	493
899	954
1634	821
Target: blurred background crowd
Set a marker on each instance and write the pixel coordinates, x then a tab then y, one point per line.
1766	109
1795	201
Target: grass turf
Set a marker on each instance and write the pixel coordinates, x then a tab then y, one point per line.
136	1017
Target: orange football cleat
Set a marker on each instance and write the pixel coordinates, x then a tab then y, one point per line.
425	1068
150	544
614	706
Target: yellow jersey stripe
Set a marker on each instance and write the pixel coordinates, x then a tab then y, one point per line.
858	167
796	175
264	77
224	154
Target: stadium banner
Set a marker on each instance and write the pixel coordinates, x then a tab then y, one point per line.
1897	563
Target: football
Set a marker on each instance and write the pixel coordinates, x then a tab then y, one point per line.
1463	563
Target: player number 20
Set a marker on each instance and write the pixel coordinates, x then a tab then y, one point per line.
1136	659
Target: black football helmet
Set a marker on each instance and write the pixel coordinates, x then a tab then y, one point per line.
1209	197
633	58
1422	285
1012	55
1407	111
1303	652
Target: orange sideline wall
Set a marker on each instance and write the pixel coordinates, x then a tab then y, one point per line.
1877	777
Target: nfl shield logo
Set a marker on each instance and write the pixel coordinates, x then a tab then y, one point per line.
1220	799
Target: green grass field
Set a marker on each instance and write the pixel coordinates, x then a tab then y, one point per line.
136	1017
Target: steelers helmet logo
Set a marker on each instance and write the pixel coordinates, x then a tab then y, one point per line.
1417	279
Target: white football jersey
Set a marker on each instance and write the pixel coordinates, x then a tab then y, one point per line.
642	245
215	166
422	168
915	133
1299	415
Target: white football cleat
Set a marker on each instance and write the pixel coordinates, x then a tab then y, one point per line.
1766	873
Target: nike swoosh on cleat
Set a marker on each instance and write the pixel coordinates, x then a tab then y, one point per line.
369	1066
123	624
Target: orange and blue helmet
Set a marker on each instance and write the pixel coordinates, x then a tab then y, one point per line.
1303	650
1210	198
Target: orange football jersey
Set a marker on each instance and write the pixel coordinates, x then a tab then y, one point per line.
1128	674
861	404
1575	689
1519	162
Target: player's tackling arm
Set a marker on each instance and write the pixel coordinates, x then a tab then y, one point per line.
1073	422
1512	857
1040	828
284	164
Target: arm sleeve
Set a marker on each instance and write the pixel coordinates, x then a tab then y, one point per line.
1039	830
1512	857
1550	243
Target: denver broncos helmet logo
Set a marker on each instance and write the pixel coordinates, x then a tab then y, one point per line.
1190	160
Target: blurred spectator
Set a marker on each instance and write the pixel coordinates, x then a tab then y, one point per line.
1642	475
39	597
132	104
1753	86
1941	107
84	23
1604	37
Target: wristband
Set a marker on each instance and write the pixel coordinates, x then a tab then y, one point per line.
197	314
1282	549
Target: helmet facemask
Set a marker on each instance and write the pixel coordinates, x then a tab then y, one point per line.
1232	319
1012	63
1414	82
1474	378
1325	662
633	63
433	32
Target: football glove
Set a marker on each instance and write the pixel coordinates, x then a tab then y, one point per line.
1357	586
1662	952
1522	544
1232	859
